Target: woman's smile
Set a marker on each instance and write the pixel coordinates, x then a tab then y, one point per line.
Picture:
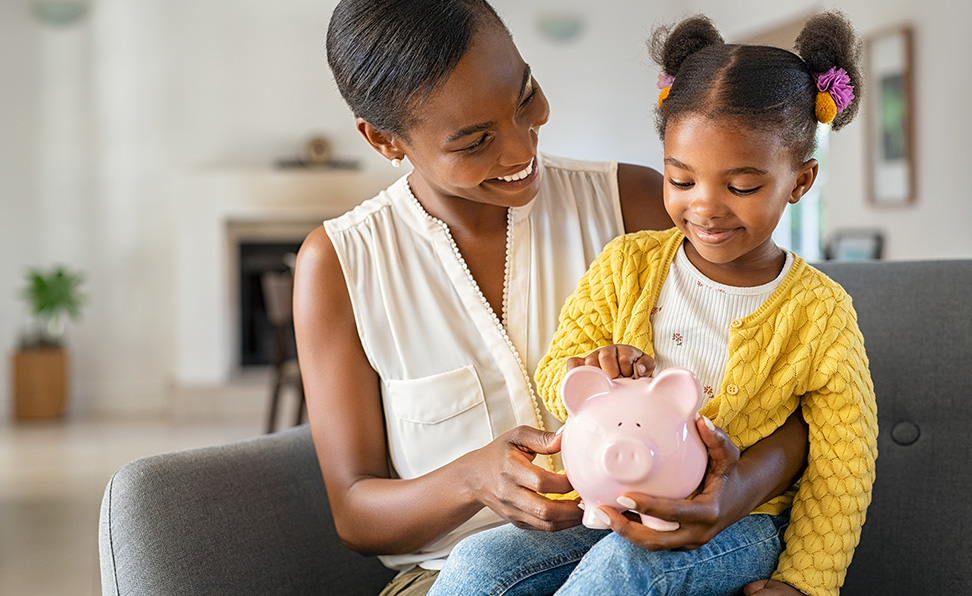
517	181
519	175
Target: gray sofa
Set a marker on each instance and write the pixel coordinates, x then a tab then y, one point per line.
252	517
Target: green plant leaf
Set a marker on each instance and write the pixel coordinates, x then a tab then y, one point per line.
53	293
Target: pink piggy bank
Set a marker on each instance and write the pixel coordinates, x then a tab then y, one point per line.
631	435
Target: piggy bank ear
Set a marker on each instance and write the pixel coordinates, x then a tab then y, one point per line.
681	387
582	383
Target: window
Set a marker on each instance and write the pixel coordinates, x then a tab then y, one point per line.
801	228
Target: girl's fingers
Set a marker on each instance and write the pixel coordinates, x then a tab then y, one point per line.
644	366
607	360
617	361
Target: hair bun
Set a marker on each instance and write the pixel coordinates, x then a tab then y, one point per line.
828	41
671	46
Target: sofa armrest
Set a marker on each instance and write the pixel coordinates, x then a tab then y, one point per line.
245	518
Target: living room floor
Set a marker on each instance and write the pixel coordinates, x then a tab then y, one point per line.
53	475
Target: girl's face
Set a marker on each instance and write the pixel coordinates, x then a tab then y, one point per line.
726	187
476	136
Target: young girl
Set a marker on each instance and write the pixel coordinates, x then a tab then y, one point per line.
766	333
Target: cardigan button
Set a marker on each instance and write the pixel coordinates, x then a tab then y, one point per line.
736	323
732	389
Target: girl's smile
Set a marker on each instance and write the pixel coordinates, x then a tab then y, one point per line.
726	187
711	236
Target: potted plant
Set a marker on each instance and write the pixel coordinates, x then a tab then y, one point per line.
40	363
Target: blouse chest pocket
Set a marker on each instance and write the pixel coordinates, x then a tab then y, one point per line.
433	420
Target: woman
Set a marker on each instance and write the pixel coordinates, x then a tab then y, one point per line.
421	314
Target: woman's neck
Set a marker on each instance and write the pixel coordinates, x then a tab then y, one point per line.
465	218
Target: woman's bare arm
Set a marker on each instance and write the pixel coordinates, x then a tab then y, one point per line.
642	201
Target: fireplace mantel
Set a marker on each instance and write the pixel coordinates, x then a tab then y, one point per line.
216	206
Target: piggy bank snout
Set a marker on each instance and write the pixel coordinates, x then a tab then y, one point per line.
627	460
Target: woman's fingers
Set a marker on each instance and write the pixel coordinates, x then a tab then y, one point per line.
637	533
518	485
723	453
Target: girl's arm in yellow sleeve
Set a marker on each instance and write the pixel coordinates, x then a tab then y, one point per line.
586	323
829	508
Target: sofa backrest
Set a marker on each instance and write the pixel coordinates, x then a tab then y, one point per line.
916	318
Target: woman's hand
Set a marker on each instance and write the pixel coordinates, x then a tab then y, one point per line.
504	478
618	360
769	587
733	486
721	503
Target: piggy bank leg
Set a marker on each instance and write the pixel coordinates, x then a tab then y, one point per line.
590	520
660	525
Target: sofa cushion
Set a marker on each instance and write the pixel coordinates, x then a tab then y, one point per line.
916	318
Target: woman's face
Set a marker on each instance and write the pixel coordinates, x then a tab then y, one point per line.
726	187
475	137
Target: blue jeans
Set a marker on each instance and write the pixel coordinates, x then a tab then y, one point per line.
580	561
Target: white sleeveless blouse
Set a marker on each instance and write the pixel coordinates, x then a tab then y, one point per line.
454	374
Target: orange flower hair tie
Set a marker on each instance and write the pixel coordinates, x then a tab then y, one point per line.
665	84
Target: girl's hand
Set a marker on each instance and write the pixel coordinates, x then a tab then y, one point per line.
503	477
769	587
721	503
617	360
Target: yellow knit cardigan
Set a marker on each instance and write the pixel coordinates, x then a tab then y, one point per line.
801	349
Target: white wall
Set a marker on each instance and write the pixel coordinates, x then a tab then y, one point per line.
601	86
101	121
19	146
937	224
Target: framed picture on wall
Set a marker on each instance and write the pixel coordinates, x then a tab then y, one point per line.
889	105
855	245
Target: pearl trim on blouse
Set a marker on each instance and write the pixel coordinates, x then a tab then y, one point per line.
501	325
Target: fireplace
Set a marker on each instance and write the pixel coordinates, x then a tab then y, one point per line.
255	248
256	345
219	211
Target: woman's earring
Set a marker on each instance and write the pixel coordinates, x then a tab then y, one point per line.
396	162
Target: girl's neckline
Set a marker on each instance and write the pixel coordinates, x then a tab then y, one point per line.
684	261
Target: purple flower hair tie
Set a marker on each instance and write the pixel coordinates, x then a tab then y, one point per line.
836	83
665	80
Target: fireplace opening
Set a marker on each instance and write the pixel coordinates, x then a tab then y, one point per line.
256	334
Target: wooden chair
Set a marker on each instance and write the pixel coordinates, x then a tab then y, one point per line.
278	292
